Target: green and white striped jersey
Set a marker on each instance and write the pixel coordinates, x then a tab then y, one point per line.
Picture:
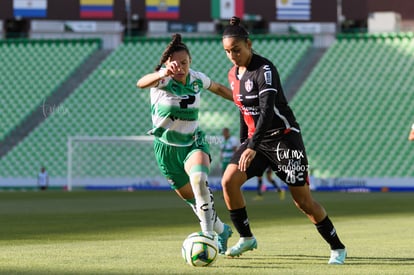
175	108
227	148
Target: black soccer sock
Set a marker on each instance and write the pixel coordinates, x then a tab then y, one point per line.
259	186
241	222
328	232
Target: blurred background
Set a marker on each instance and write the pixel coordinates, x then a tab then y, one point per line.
68	100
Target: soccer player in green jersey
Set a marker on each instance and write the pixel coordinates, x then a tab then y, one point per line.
227	148
181	151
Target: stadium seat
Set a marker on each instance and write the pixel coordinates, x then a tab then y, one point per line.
32	70
109	104
359	89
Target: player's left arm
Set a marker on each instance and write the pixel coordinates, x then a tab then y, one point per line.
214	87
267	82
221	90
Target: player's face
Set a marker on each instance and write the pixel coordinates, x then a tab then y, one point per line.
183	61
237	50
226	133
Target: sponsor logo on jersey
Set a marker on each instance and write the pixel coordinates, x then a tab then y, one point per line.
250	110
239	97
267	74
248	85
268	77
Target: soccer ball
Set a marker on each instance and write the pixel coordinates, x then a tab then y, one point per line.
200	249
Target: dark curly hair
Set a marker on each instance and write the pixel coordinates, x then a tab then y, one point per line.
175	45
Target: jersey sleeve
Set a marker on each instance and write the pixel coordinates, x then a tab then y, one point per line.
204	79
268	81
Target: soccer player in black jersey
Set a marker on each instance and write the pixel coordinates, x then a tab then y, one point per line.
270	136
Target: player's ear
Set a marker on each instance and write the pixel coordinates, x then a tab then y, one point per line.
249	43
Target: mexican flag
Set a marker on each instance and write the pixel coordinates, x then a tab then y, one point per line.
226	9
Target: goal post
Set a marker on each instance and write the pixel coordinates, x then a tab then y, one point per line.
123	163
110	162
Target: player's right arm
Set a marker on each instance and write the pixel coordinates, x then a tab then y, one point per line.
152	79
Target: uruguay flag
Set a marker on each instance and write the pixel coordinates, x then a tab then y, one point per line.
30	8
293	9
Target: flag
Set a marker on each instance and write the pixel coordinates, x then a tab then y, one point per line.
293	9
99	9
29	8
162	9
226	9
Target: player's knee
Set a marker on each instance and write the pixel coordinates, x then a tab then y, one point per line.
225	181
231	181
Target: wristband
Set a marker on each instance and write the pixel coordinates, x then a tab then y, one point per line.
162	73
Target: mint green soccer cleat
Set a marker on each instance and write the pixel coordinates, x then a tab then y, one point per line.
337	256
223	238
242	246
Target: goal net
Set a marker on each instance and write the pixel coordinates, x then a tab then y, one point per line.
122	163
111	162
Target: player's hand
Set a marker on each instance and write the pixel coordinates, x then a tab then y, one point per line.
246	159
172	68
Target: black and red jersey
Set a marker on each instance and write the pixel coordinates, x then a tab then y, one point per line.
264	110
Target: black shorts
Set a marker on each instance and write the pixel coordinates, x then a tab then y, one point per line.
284	154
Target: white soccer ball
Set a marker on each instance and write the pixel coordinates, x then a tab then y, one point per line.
200	249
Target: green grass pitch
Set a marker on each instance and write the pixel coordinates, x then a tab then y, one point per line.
141	232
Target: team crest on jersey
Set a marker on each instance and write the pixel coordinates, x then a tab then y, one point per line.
196	88
248	85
